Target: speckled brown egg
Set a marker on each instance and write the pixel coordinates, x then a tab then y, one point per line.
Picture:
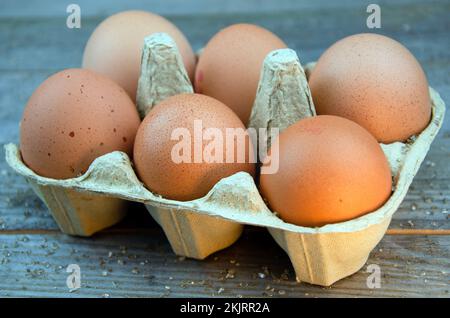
158	148
114	48
72	118
376	82
330	170
230	65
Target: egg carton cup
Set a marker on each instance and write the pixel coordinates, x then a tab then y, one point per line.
201	227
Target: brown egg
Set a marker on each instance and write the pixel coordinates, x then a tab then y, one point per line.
230	65
330	170
114	48
157	156
72	118
376	82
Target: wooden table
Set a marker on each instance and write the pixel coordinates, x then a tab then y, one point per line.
134	258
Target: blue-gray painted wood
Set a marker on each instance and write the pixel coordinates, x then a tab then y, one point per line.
36	43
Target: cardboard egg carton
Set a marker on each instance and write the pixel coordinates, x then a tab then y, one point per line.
198	228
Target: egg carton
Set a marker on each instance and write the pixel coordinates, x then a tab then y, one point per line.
198	228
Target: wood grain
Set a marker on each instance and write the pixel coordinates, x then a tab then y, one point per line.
21	75
414	256
142	265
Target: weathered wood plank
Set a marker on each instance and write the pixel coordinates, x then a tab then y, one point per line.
49	8
36	43
308	31
141	264
423	30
